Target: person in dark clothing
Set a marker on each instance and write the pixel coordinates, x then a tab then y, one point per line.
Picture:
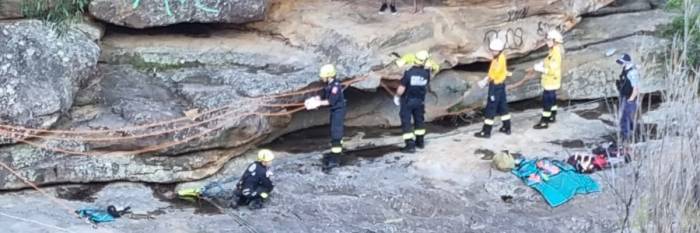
255	185
410	96
332	96
628	87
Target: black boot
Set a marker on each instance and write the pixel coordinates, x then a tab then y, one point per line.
485	132
331	161
553	118
505	128
410	146
382	8
543	123
255	204
420	142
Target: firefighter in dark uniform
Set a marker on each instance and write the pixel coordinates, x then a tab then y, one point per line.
410	96
332	96
255	185
497	105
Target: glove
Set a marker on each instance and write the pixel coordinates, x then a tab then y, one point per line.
397	100
484	82
539	67
268	174
311	103
264	195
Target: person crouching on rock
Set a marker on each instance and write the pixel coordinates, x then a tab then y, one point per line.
332	96
496	103
255	185
551	78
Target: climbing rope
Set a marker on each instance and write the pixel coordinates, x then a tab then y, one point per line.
37	223
212	120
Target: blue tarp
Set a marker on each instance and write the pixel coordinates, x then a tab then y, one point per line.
556	189
95	215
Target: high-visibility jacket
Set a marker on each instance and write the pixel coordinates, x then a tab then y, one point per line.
410	59
498	71
551	77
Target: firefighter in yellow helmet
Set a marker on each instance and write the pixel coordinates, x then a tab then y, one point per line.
332	96
496	105
255	185
410	96
551	78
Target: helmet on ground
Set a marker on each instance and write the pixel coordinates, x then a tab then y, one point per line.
497	44
265	155
422	56
327	71
556	36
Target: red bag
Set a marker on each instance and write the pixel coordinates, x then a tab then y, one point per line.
600	162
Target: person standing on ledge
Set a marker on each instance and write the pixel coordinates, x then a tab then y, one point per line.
332	96
496	105
410	97
628	86
551	78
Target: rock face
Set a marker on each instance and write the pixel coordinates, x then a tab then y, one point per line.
355	38
153	13
41	72
147	76
10	9
444	188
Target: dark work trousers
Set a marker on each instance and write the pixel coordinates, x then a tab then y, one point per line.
549	102
627	112
337	128
497	105
412	108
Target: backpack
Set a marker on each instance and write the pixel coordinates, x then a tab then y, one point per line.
582	163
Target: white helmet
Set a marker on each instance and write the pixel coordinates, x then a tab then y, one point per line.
556	36
497	44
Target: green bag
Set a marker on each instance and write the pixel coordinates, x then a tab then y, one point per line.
503	162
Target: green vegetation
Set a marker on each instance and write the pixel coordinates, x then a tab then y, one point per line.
59	12
678	27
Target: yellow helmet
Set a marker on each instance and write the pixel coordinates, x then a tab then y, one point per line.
265	155
422	57
327	71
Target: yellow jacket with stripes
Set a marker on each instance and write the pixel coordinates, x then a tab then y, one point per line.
551	78
498	71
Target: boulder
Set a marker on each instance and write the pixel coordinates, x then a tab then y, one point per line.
41	71
10	9
153	77
154	13
359	41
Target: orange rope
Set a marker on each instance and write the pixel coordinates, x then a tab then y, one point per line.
97	138
27	182
197	116
147	149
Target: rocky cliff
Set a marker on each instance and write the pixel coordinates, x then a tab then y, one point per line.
212	81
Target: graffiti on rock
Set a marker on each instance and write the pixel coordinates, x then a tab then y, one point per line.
167	5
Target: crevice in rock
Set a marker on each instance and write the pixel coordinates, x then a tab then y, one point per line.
199	30
473	67
603	12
